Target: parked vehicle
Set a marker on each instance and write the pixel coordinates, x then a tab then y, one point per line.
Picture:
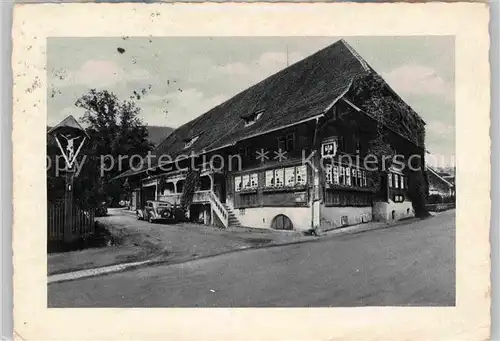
101	209
124	203
156	210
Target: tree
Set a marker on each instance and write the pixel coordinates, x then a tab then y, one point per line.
115	131
382	151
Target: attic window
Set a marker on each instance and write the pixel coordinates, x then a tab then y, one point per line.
190	142
252	118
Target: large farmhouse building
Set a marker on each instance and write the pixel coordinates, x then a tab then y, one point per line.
291	151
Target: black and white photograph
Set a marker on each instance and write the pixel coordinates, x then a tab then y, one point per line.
251	171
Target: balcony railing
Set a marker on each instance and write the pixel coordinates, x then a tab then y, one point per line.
199	197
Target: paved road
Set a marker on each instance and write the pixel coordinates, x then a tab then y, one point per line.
410	264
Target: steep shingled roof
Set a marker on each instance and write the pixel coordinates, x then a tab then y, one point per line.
299	92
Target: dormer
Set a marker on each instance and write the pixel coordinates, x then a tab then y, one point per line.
252	118
188	143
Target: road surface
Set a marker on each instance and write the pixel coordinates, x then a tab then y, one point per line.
412	264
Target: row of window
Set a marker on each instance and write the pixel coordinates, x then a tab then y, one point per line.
347	199
280	177
293	176
290	176
248	181
345	175
396	180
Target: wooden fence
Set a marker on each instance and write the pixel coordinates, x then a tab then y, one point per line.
83	223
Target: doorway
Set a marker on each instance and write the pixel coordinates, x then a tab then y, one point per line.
220	187
281	222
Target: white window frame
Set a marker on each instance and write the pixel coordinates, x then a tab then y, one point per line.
236	187
279	171
254	178
287	177
335	174
255	118
329	174
269	181
245	180
190	143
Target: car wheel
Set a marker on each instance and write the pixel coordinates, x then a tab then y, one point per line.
150	219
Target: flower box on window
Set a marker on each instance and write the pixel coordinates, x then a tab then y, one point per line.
298	187
350	188
248	191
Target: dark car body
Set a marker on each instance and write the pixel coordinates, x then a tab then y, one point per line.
101	209
156	210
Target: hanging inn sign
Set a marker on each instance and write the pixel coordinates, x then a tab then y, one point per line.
329	148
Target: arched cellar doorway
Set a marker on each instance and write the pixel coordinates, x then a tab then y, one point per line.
281	222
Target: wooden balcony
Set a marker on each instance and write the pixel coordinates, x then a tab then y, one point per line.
199	197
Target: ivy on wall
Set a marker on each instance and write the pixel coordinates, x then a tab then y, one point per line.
384	153
190	184
374	96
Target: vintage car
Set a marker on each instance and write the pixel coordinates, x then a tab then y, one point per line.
156	210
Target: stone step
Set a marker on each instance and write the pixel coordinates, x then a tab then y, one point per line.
232	219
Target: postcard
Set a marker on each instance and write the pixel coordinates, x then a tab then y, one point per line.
251	171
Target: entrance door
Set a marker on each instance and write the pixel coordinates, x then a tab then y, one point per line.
281	222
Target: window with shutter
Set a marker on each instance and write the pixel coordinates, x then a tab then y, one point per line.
254	180
301	175
246	181
348	176
290	176
336	175
270	178
279	177
237	183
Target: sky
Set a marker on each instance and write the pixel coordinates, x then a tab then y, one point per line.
184	77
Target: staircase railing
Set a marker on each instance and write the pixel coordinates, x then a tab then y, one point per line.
219	209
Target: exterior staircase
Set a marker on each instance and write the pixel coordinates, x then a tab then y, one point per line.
232	219
224	214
